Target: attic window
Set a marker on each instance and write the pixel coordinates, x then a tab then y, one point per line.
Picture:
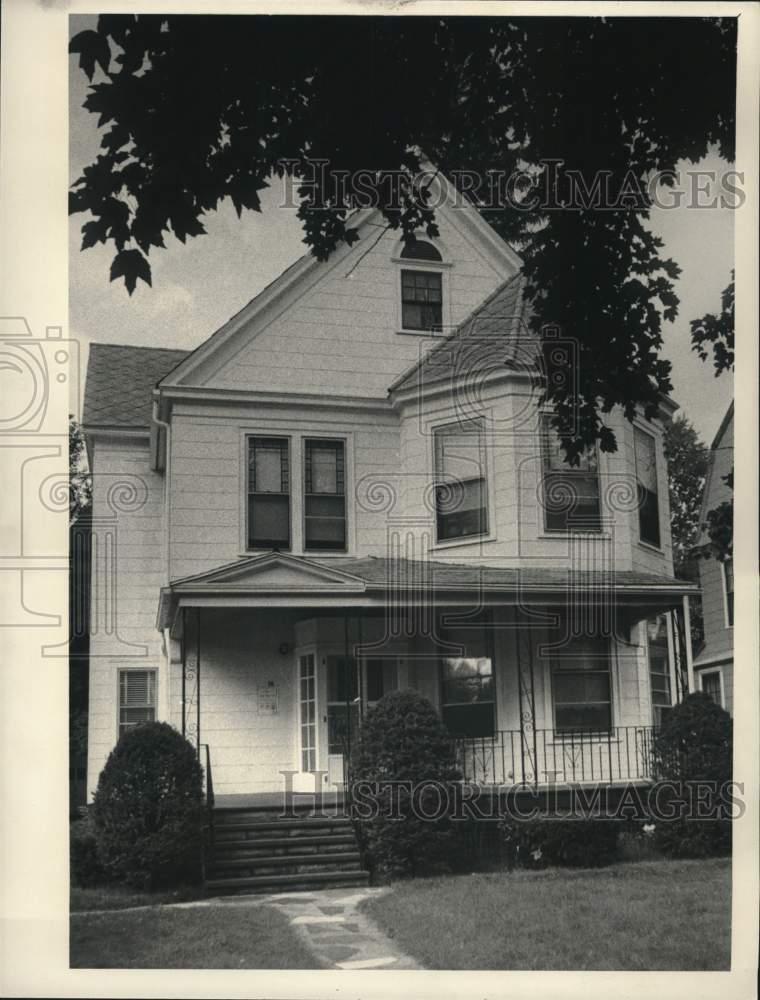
420	250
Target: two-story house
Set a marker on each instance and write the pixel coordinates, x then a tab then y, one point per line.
350	487
714	665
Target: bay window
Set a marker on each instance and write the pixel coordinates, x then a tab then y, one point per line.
461	494
467	684
645	448
570	493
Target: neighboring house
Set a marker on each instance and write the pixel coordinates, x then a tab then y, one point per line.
714	666
350	488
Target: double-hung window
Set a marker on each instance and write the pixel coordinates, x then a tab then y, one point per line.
581	685
645	448
137	698
268	493
571	492
467	686
461	492
324	496
421	291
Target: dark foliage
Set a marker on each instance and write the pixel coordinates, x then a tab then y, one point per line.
576	843
567	111
402	740
694	744
85	866
718	332
147	810
687	459
720	526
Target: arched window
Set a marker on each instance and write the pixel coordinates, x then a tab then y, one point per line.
420	250
421	290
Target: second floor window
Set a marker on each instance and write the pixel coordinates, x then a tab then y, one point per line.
571	492
268	493
645	448
461	494
325	496
421	291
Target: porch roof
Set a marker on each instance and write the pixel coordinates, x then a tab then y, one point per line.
279	580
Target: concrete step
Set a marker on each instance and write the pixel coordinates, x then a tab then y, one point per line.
299	880
290	843
282	860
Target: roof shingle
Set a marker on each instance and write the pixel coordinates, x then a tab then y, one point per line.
494	334
120	380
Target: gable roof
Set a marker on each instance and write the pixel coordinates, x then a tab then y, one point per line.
364	221
120	382
497	330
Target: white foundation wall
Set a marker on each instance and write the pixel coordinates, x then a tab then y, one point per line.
128	569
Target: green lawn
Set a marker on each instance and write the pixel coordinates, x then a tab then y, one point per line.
673	915
115	897
209	937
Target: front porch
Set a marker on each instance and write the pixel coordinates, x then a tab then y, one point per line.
275	661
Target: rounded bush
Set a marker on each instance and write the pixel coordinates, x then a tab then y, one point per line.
402	770
574	843
694	744
147	810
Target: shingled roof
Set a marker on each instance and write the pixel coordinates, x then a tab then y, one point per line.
120	380
493	335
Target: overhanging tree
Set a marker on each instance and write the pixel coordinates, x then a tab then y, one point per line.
195	110
687	459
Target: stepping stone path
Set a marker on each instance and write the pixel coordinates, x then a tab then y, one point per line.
337	932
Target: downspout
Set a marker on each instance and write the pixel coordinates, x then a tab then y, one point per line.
687	643
167	576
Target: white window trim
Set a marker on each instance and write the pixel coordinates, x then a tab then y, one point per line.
297	486
726	622
491	535
442	267
307	650
719	672
133	670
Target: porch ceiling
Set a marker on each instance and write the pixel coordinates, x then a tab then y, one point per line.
279	580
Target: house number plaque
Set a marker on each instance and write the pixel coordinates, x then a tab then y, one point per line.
267	699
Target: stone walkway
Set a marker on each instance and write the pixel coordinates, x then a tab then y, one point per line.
339	934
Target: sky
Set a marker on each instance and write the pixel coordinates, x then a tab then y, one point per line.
197	286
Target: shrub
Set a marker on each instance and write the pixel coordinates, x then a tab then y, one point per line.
694	744
576	843
402	740
148	809
85	867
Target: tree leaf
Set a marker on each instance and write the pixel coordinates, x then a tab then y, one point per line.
130	265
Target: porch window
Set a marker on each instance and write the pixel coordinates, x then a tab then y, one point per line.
728	590
137	698
461	494
659	667
581	685
381	676
268	493
645	448
467	688
325	496
570	493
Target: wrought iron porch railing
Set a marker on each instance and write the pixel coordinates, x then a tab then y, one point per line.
546	757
